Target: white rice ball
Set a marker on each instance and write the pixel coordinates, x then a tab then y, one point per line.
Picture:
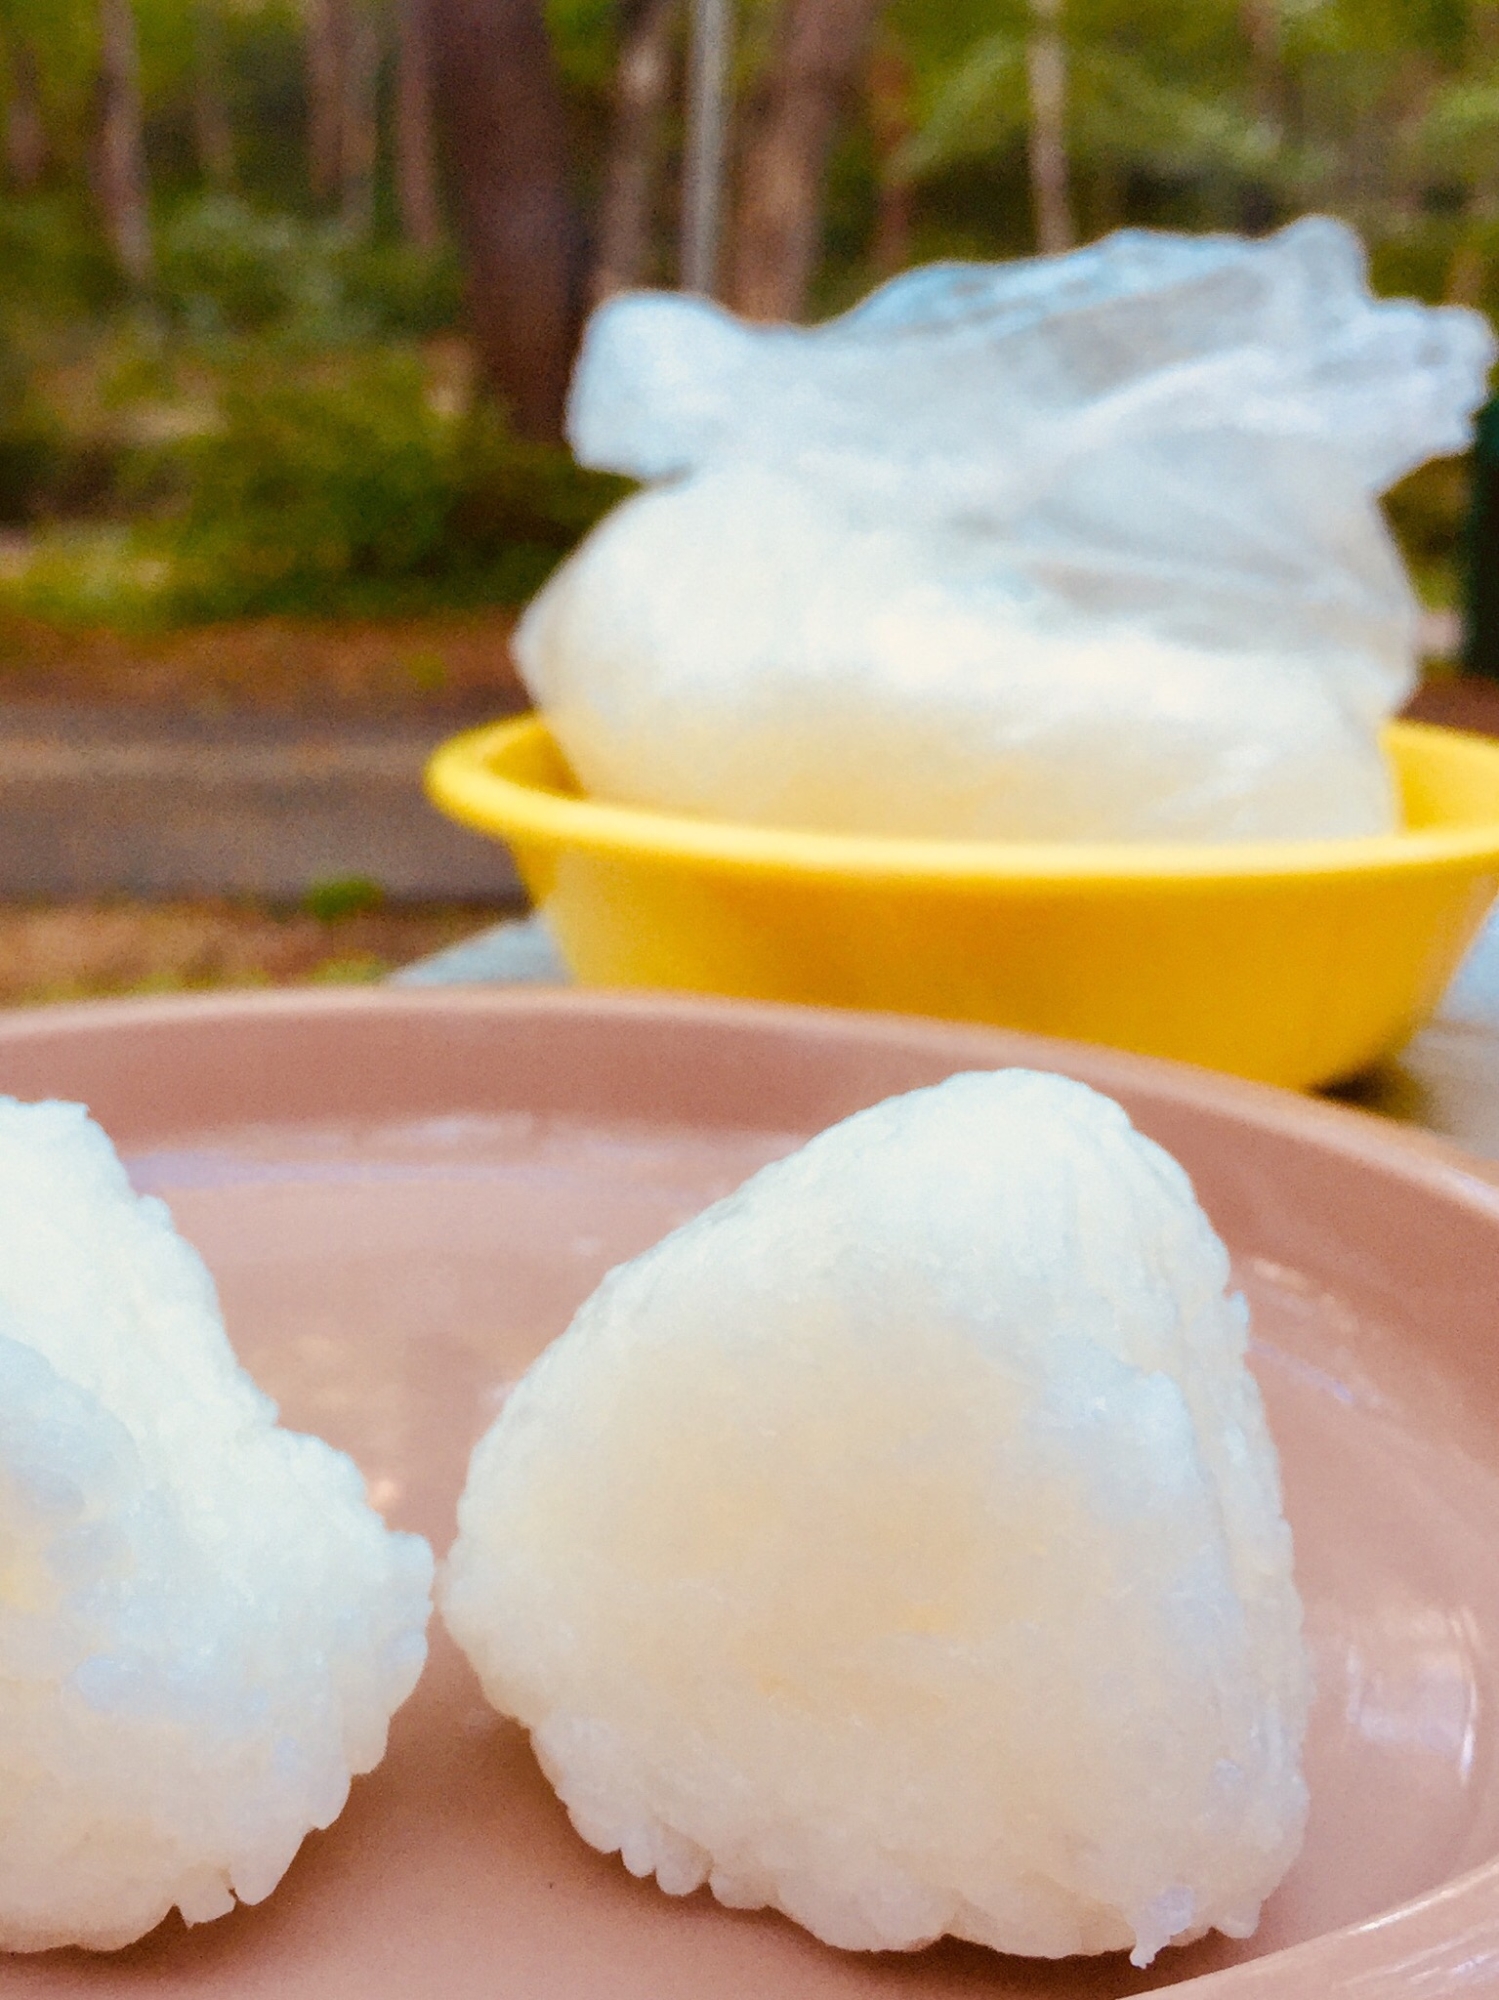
1075	548
204	1629
899	1544
859	696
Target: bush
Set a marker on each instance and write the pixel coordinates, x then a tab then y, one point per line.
334	897
1427	512
228	270
224	269
32	447
47	469
90	576
355	494
399	292
57	268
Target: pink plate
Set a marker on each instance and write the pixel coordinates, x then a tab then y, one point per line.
404	1196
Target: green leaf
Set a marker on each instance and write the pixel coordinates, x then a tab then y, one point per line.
981	108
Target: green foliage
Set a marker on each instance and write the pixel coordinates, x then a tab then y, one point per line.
55	266
265	63
584	36
260	433
354	492
1416	263
511	491
338	896
1376	109
360	968
228	269
48	466
1132	99
92	576
303	486
980	107
400	292
33	448
1427	511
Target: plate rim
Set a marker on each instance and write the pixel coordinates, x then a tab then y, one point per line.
1347	1129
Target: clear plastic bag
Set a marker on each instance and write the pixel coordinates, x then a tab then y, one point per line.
1083	547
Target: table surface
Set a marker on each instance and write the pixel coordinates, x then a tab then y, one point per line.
1447	1078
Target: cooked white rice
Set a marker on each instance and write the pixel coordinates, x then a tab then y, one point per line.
899	1544
204	1629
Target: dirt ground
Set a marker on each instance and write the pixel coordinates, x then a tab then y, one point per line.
456	664
87	950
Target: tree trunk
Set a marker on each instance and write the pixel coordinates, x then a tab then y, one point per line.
212	133
343	69
25	132
642	85
326	25
705	146
1108	204
892	121
819	51
1260	23
1420	76
122	160
1260	20
505	135
1046	77
1467	278
360	135
417	203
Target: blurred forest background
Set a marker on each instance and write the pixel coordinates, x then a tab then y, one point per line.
288	288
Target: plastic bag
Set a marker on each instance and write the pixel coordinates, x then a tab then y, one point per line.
1081	547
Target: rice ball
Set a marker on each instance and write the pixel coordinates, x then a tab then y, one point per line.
899	1545
860	696
204	1628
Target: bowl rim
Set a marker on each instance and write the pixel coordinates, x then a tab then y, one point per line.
463	781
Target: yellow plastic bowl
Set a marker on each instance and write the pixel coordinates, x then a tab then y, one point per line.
1296	962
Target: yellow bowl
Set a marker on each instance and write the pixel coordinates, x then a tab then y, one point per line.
1298	962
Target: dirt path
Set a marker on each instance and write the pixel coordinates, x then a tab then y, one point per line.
245	760
153	802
